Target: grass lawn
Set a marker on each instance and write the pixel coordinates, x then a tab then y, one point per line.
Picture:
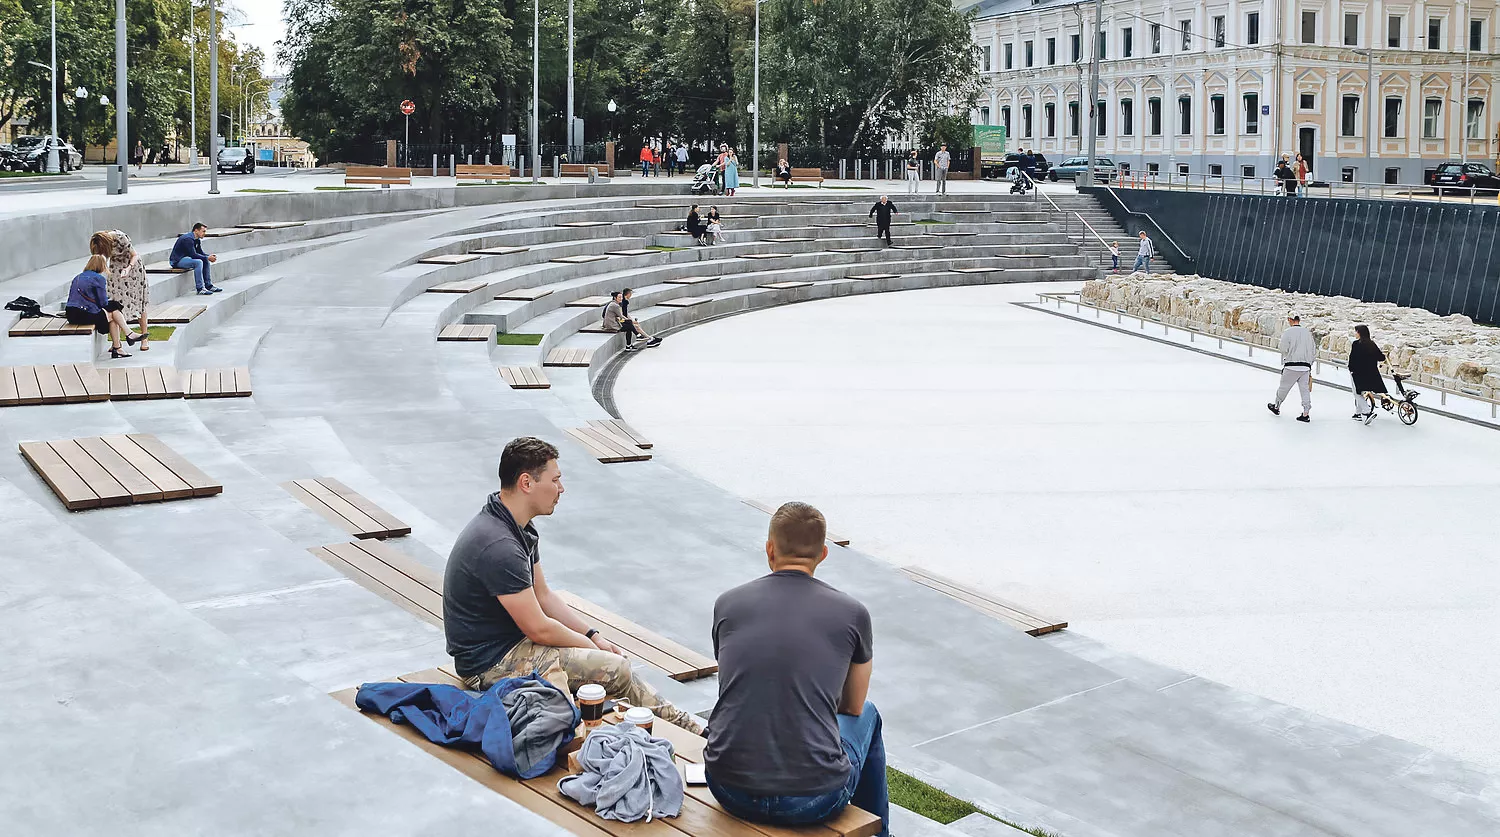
335	189
921	798
519	339
664	248
162	333
30	174
266	191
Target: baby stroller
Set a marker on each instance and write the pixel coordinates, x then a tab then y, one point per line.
706	181
1020	183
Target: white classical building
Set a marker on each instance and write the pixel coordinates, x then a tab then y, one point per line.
1222	87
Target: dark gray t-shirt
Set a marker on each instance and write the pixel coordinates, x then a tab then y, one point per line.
492	557
784	644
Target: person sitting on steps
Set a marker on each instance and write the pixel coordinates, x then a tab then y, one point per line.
792	739
500	617
89	304
615	320
632	323
188	253
694	224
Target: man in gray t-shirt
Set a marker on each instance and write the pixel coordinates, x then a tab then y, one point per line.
792	739
940	163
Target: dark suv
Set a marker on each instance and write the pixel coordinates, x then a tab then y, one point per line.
1463	177
237	159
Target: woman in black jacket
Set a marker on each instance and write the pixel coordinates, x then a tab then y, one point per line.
1364	367
695	225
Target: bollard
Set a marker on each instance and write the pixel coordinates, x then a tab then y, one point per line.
434	165
842	173
471	159
452	166
556	166
593	174
486	159
858	164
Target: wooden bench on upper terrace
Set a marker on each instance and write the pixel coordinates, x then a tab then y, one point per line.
376	176
488	174
582	169
808	175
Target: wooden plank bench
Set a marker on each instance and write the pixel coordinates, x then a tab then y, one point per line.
607	447
764	255
524	294
588	302
582	258
225	232
467	333
808	175
345	507
225	382
623	430
462	286
174	312
418	589
448	258
685	301
634	251
375	176
836	540
978	269
488	174
274	225
852	249
116	470
500	251
164	268
138	383
59	384
781	286
47	327
789	239
575	358
596	328
582	169
525	377
585	224
701	814
691	280
871	277
841	225
1007	612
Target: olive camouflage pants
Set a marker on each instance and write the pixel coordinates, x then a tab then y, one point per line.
569	668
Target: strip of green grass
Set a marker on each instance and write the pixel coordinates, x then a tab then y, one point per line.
162	333
664	248
31	174
266	191
518	339
919	797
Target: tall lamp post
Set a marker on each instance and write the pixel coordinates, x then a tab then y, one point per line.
192	84
536	74
122	102
568	131
213	98
1088	168
612	107
755	108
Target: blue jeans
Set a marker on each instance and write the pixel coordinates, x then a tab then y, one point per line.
1141	263
200	271
865	788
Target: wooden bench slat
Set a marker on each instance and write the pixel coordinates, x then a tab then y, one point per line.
49	384
634	251
467	333
781	286
584	224
605	447
576	358
691	280
171	486
694	664
174	313
335	508
764	255
108	489
623	430
401	562
274	225
500	250
93	383
141	488
69	487
28	389
685	301
449	258
524	294
524	377
384	591
201	483
428	600
1007	612
461	286
393	527
583	258
8	393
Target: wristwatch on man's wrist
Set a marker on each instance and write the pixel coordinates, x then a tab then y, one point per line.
589	635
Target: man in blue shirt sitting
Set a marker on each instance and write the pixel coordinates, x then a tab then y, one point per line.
188	253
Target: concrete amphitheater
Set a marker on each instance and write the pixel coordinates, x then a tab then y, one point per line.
168	665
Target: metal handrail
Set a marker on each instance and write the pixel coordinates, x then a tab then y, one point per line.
1076	300
1159	228
1264	185
1092	230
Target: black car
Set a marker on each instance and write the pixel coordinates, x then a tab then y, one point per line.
30	154
1463	177
1041	169
237	159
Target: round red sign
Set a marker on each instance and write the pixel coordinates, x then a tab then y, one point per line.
408	107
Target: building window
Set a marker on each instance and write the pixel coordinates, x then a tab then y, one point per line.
1476	36
1184	115
1127	118
985	64
1252	113
1309	27
1186	27
1153	169
1005	118
1219	33
1182	169
1252	28
1153	116
1434	33
1026	121
1101	119
1474	119
1393	117
1075	43
1030	53
1349	117
1247	171
1156	39
1351	30
1049	119
1009	58
984	116
1432	118
1307	101
1072	119
1051	51
1215	170
1393	32
1127	42
1216	114
1103	45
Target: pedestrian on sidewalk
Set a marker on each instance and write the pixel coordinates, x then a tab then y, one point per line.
913	173
1298	351
670	155
646	159
882	212
1302	171
1143	255
1365	358
138	155
682	158
940	163
1285	177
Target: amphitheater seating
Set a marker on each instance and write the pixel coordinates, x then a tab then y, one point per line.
569	357
115	471
525	377
228	382
1011	614
60	384
461	286
174	312
463	333
448	258
500	251
619	428
345	507
137	383
606	447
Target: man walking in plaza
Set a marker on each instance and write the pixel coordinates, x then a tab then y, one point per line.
940	163
1298	352
500	617
1143	255
882	212
792	739
187	252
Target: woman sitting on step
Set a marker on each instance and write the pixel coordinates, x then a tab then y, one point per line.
89	304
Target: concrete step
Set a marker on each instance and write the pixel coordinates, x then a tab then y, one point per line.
906	823
979	825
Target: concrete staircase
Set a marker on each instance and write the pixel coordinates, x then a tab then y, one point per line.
1106	227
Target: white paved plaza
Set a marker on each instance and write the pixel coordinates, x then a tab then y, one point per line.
1140	491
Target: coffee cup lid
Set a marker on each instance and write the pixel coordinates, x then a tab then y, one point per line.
639	715
591	691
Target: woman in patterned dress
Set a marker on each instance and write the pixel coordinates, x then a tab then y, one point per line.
126	278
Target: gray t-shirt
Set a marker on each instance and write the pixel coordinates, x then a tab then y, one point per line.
942	159
492	557
784	644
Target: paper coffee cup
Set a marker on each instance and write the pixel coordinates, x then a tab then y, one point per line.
591	704
641	717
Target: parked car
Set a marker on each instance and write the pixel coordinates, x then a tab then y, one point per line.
1104	169
236	158
1465	177
30	154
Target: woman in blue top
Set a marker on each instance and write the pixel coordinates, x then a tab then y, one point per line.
89	304
731	172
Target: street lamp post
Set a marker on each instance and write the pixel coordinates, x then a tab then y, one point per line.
536	73
755	108
52	165
192	85
213	98
611	107
1088	169
568	131
122	100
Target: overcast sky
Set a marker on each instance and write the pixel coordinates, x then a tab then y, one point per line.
265	15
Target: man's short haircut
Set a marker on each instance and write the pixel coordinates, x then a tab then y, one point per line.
524	455
199	224
798	531
624	292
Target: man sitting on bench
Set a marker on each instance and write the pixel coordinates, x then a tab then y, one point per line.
501	618
792	740
187	254
614	319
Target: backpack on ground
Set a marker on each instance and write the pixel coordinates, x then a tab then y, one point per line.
28	307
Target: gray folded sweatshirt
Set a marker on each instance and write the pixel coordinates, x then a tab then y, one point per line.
627	775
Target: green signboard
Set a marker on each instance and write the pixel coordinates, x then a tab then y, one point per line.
990	140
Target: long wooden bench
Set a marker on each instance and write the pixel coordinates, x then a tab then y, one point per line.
225	382
585	224
574	358
582	258
47	327
60	384
174	313
837	540
488	174
701	815
418	589
525	377
619	428
808	175
500	250
116	470
524	294
467	333
375	176
137	383
345	507
582	169
606	447
986	603
461	286
274	225
448	258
